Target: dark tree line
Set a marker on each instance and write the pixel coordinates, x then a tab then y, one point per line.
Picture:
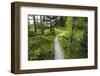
40	23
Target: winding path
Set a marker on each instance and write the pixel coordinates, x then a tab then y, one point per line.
58	51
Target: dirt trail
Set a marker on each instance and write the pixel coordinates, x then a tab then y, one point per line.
58	49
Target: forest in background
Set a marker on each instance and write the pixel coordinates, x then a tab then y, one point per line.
72	33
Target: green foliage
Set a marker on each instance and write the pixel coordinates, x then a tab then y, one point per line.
41	47
69	23
74	40
84	45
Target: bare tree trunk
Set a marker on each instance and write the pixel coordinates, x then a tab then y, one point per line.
50	25
42	25
28	24
35	27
